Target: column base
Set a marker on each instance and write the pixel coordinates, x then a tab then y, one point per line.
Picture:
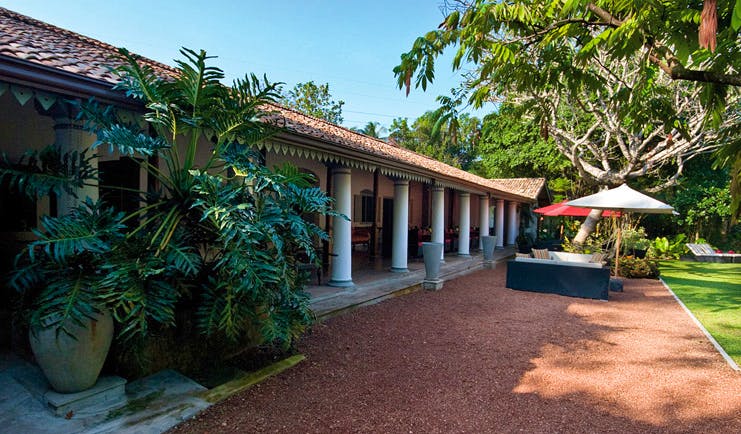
432	285
398	270
466	255
489	264
341	283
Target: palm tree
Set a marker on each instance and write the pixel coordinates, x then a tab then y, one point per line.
373	129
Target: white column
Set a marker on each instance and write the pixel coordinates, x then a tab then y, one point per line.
499	223
483	219
401	226
342	229
464	224
438	218
69	136
513	225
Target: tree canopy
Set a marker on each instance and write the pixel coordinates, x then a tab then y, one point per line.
509	41
314	100
627	65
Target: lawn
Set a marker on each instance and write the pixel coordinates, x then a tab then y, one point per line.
713	293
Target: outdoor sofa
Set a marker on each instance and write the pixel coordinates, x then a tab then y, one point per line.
569	274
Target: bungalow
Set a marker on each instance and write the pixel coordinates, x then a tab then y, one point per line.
389	192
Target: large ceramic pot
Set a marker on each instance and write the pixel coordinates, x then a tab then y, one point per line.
432	253
489	242
73	364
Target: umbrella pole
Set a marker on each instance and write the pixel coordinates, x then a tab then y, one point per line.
617	251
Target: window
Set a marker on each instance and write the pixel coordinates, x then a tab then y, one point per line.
364	209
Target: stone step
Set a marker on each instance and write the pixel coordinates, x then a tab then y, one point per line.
108	393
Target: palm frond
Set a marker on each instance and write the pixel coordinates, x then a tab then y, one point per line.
89	228
130	142
49	171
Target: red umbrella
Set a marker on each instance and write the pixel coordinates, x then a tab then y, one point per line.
563	210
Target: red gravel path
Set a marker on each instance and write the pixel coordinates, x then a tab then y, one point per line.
476	357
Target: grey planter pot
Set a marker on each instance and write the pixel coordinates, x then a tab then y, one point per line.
73	364
431	253
489	242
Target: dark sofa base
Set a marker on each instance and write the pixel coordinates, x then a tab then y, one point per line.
573	281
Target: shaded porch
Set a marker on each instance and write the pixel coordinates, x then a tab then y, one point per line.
374	282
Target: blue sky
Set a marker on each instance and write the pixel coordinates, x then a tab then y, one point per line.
353	45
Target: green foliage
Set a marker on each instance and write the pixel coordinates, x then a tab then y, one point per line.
48	171
634	239
225	246
430	135
663	248
60	273
512	146
638	268
530	43
314	101
703	200
555	51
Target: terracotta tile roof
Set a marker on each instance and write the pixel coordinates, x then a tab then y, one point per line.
320	129
25	38
38	42
527	187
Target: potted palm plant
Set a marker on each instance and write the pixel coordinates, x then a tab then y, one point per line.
71	328
219	235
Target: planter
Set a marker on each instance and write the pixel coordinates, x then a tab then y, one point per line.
73	364
432	253
489	242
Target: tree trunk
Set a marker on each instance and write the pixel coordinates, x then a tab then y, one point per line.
587	227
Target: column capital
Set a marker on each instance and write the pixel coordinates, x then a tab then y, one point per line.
464	194
500	201
341	170
437	188
401	181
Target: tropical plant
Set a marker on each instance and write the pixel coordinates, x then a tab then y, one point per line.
60	272
663	248
372	129
633	239
216	232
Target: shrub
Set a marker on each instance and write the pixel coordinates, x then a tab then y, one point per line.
638	268
662	248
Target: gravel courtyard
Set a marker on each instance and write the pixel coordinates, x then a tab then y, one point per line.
477	357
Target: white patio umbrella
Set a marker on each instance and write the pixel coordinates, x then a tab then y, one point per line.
623	199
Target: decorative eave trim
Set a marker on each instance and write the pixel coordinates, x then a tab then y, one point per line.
64	83
387	167
317	155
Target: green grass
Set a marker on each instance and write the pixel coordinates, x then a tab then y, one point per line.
713	293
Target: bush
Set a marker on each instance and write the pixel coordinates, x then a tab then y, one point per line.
662	248
634	239
638	268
